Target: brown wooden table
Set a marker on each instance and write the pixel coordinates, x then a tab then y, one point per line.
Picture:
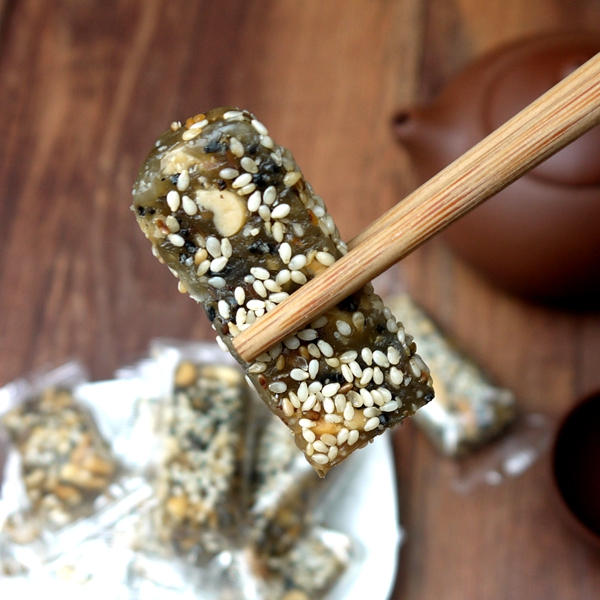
85	87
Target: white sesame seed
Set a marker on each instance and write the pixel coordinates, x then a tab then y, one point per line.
302	392
275	351
223	308
181	287
371	424
283	277
320	446
396	376
260	273
401	335
313	368
233	115
377	397
267	142
240	295
391	325
356	370
414	367
381	359
200	255
217	282
347	373
249	165
309	450
254	201
183	181
289	179
172	224
190	134
255	304
264	212
333	418
307	335
353	437
371	412
328	405
330	389
218	264
325	348
393	355
173	200
343	327
269	305
297	262
176	239
342	436
298	277
285	252
320	459
287	408
390	406
366	397
319	322
236	147
348	356
278	231
260	128
315	386
224	347
242	180
308	435
278	387
367	375
378	377
213	245
314	351
280	211
332	454
226	248
294	400
278	297
228	173
355	398
325	258
246	189
189	206
298	375
270	195
259	288
319	211
257	367
292	342
203	267
272	286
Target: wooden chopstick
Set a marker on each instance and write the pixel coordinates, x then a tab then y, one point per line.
560	116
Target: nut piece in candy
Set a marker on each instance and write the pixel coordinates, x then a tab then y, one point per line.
228	209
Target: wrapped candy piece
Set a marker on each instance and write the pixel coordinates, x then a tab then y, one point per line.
468	410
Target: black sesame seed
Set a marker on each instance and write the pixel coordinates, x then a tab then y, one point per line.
252	149
381	328
191	248
349	304
214	145
174	178
259	247
212	313
221	183
428	397
383	419
141	210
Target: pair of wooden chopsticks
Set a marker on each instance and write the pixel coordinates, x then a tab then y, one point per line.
560	116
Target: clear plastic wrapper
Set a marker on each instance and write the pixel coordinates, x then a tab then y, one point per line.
57	454
323	550
468	409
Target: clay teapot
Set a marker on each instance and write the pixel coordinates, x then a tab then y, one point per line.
540	237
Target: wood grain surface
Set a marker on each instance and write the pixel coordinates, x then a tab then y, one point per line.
87	86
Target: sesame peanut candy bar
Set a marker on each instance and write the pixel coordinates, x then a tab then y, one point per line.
283	482
199	480
66	464
231	215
